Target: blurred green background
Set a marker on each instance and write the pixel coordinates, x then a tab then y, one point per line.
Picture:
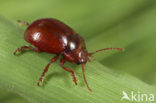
130	24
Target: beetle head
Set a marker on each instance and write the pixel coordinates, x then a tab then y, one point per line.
81	56
78	56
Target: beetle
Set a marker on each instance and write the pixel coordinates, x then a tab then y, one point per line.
54	37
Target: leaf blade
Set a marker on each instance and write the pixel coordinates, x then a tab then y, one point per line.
19	74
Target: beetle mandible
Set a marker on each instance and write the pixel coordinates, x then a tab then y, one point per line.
53	36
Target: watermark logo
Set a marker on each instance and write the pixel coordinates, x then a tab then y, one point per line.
137	96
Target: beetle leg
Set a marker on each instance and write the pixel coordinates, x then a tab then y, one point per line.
68	70
46	69
23	22
28	48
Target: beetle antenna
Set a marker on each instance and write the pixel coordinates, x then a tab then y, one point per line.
84	77
23	22
121	49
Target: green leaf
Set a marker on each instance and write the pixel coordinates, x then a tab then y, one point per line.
103	23
137	35
7	97
19	74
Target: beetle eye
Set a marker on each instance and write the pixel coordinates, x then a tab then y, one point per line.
78	62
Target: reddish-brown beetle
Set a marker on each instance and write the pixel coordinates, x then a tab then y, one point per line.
52	36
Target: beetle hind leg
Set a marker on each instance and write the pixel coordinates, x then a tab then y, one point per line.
26	48
68	70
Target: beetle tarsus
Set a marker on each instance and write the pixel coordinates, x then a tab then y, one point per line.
18	50
38	84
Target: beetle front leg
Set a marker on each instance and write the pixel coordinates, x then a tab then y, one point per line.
26	48
46	69
68	70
